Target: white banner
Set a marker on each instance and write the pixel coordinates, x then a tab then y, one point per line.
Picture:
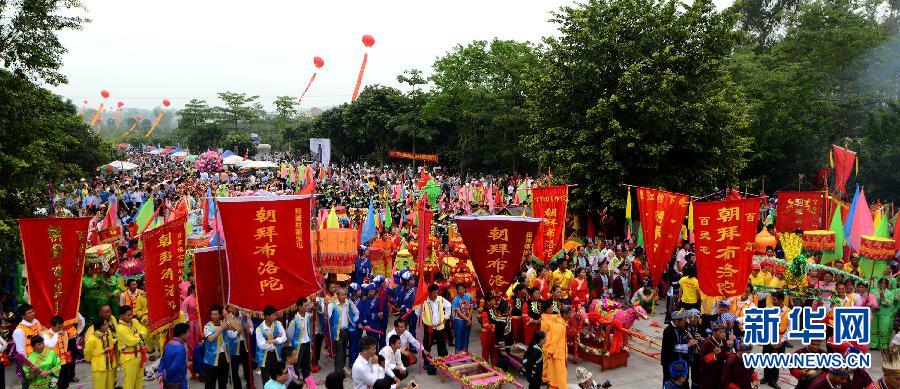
320	149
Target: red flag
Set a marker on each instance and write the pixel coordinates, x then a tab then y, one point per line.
210	279
733	194
309	189
164	250
549	204
54	259
662	216
423	179
498	245
822	176
842	160
591	230
267	240
896	231
425	219
799	210
726	232
112	217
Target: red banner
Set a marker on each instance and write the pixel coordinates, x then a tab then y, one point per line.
414	156
662	215
799	210
843	161
210	279
267	240
164	251
54	259
497	245
725	233
549	204
424	237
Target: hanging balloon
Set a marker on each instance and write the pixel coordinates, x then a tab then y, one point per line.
166	102
368	40
85	101
318	61
120	104
104	93
138	117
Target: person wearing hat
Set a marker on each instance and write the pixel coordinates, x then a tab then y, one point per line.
355	297
806	376
403	299
890	366
714	352
362	268
676	373
836	378
676	344
735	375
370	314
556	348
585	378
859	378
775	282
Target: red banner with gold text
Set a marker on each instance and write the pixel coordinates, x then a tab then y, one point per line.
267	240
662	215
210	279
497	245
54	259
799	210
549	204
725	232
164	251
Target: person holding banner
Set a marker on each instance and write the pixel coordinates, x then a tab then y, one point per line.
270	338
131	335
218	334
100	352
342	319
369	312
239	350
434	313
299	336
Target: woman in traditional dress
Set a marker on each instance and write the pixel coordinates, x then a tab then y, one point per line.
555	349
46	365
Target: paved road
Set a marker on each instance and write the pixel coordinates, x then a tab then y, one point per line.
642	372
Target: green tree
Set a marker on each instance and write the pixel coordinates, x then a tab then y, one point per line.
239	111
634	91
29	45
285	111
197	128
241	144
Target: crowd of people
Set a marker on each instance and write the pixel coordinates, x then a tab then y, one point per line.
366	324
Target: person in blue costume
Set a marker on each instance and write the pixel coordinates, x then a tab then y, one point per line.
404	297
342	319
362	269
369	314
383	305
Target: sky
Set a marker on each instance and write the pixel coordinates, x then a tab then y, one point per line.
180	50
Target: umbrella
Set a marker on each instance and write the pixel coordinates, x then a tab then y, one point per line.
232	160
259	165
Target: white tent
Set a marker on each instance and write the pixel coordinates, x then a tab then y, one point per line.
179	154
232	160
155	151
259	165
118	165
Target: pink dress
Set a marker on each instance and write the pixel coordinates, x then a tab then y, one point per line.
189	307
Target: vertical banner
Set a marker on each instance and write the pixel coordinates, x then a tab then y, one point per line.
726	232
799	210
267	240
54	259
549	204
424	237
662	216
164	251
498	245
210	279
842	160
320	149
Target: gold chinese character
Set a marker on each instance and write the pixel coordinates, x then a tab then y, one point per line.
165	240
267	250
550	213
728	214
267	268
704	220
657	232
498	249
726	271
499	234
727	253
164	257
704	249
267	232
265	215
497	282
750	217
172	304
167	274
659	216
729	232
704	235
273	284
56	250
549	233
170	290
726	288
498	264
55	233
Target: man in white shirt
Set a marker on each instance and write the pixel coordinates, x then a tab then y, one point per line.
299	334
680	260
434	314
406	339
28	328
342	318
393	360
366	369
270	337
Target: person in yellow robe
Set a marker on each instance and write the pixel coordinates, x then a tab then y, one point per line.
555	349
106	315
775	282
131	335
562	277
100	352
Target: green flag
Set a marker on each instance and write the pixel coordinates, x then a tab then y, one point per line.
388	220
881	230
143	216
837	225
640	233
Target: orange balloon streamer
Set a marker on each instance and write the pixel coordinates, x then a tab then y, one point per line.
96	117
313	78
153	127
362	69
129	130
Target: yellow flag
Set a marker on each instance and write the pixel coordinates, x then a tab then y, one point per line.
628	205
877	220
691	216
332	219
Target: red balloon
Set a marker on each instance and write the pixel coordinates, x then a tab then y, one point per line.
138	117
368	40
120	104
104	93
319	62
85	101
166	102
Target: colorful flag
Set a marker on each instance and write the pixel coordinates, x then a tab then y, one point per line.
144	215
368	229
388	220
424	236
549	204
210	279
332	219
837	225
881	228
842	160
859	221
798	210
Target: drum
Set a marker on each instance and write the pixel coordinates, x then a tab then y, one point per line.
819	240
876	248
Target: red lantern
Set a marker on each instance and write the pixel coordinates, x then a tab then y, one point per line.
318	61
104	93
120	104
368	40
166	102
138	117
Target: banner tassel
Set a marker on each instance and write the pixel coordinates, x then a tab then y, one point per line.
311	79
362	69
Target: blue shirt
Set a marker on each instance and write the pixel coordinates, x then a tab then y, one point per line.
173	365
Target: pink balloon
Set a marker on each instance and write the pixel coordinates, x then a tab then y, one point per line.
120	104
104	93
138	117
368	40
318	61
166	102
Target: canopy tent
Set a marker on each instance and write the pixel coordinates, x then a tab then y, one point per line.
155	151
228	153
179	154
259	165
116	166
232	159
